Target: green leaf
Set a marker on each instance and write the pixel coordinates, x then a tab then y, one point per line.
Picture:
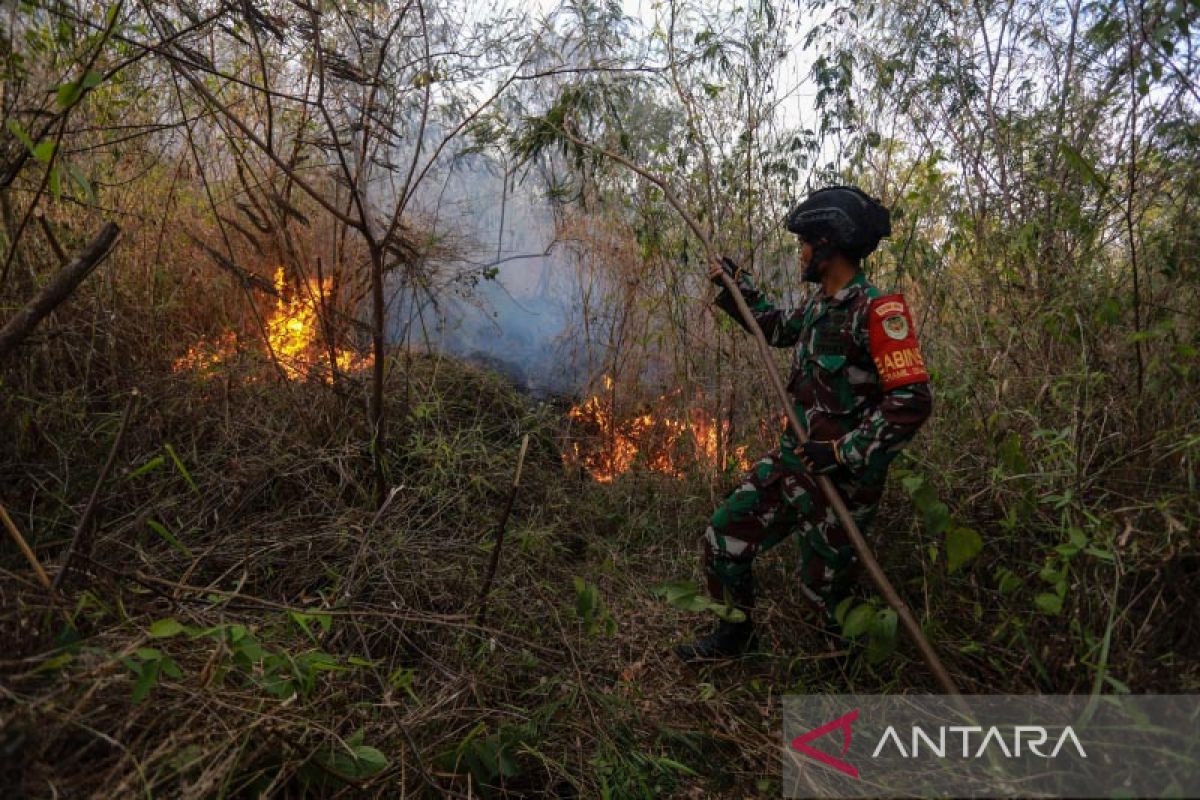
881	641
44	151
586	600
149	466
370	760
67	94
1012	460
858	620
1008	580
55	663
92	79
165	629
1050	572
15	128
1082	166
937	518
147	678
1048	603
187	476
962	545
168	537
676	590
303	619
842	609
81	181
727	613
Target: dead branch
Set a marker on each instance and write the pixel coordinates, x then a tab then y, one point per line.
244	276
83	529
512	496
58	290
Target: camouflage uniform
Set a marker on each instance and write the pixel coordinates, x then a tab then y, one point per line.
851	351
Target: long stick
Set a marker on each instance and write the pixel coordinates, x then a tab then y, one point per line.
512	496
928	654
89	511
11	527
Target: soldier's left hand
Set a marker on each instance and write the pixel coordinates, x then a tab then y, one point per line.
819	457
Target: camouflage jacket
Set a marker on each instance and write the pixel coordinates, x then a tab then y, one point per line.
857	378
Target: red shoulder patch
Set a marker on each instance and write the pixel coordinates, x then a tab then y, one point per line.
894	343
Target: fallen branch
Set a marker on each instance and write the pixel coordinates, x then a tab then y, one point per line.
512	496
876	573
89	512
58	290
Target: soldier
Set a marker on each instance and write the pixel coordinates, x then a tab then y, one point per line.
860	389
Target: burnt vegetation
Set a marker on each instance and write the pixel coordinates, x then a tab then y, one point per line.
250	498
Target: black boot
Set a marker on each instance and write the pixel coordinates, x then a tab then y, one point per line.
728	640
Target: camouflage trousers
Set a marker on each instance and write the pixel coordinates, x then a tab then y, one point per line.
778	497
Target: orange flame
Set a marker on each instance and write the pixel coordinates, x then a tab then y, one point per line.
292	336
659	439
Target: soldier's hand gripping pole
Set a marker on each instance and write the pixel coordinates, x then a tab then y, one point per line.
861	547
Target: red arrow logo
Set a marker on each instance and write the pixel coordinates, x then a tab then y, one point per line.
800	743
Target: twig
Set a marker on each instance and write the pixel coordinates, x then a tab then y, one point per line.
876	573
89	511
51	238
495	561
362	544
244	276
58	290
11	527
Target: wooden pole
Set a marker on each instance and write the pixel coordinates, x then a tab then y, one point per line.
876	573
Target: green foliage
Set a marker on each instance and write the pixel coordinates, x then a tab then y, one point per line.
590	610
962	544
147	664
490	759
878	623
345	761
686	595
633	774
165	534
243	657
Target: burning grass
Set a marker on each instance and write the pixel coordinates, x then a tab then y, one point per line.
294	337
663	440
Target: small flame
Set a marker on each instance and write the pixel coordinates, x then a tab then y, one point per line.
660	439
292	334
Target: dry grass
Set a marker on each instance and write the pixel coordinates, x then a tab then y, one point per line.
302	643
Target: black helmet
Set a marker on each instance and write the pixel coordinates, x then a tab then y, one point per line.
852	220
